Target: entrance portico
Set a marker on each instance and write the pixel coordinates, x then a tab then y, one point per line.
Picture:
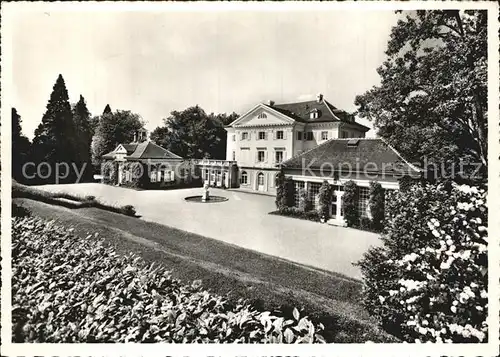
218	173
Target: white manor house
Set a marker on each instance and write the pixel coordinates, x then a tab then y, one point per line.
311	142
269	134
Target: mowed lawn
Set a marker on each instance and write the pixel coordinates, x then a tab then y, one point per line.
242	220
269	282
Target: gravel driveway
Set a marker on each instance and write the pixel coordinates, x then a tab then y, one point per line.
243	220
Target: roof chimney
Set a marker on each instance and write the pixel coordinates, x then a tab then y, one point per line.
271	103
319	98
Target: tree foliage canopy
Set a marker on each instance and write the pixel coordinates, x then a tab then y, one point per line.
114	128
54	137
84	130
192	133
20	146
432	99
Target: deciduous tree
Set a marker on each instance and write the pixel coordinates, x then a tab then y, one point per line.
192	133
432	100
114	128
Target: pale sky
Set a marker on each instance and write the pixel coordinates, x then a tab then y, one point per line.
153	63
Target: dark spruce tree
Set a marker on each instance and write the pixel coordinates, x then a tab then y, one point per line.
20	148
54	140
83	139
107	109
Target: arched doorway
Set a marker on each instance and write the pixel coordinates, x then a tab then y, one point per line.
260	181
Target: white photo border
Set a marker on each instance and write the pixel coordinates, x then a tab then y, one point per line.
12	9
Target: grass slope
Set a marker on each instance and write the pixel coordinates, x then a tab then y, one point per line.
268	282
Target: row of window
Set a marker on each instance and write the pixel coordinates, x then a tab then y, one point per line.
244	178
162	176
261	135
301	135
314	114
279	155
309	136
363	195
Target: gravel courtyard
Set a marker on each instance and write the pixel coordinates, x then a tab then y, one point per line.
243	220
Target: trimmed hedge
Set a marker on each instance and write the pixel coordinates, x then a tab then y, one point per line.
324	200
350	203
22	191
377	205
297	213
65	289
305	204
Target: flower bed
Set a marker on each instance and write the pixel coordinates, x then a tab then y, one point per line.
65	289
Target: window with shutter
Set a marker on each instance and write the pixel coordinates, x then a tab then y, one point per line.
172	175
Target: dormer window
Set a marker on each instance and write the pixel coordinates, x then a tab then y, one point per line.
262	116
314	114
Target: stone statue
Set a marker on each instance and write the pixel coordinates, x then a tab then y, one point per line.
205	196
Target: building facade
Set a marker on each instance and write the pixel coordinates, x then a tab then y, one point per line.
145	164
269	134
337	161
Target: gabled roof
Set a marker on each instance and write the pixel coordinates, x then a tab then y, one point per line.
144	150
301	112
149	150
352	153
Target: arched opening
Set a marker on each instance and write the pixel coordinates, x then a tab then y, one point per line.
244	178
260	181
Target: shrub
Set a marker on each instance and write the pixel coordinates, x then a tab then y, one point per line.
109	171
289	192
324	200
20	211
297	213
365	223
428	282
129	210
281	190
350	203
285	191
68	289
304	201
376	204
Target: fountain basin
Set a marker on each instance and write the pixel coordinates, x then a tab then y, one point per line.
211	199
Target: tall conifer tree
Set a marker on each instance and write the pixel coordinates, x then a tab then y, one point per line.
20	147
107	109
54	138
83	127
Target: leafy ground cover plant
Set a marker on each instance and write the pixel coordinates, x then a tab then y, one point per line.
429	280
66	289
